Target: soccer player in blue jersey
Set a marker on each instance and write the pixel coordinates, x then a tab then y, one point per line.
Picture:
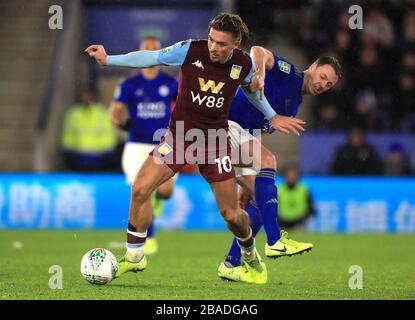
284	86
147	98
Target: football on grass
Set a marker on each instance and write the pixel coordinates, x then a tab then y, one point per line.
99	266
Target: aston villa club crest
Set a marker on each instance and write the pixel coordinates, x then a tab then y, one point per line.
235	72
164	149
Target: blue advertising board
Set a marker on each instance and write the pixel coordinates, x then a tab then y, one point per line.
57	201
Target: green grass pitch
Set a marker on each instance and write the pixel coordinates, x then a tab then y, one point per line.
186	266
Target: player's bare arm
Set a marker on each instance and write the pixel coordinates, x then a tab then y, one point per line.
263	60
170	56
117	109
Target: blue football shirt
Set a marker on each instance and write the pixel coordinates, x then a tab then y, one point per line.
149	104
283	85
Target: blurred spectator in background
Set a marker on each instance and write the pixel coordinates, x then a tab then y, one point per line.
294	199
369	91
368	115
343	47
329	118
369	74
408	61
407	40
403	114
378	27
395	163
356	157
89	140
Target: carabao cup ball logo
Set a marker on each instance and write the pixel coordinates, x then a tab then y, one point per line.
97	257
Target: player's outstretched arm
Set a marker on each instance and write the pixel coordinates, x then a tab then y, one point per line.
263	60
171	56
136	59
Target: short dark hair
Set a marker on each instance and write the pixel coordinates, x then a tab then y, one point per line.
232	23
332	61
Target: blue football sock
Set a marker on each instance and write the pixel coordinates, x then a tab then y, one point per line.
266	197
150	230
234	254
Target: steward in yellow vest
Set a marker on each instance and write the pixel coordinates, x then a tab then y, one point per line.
88	139
294	200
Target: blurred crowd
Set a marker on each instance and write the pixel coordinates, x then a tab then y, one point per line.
377	92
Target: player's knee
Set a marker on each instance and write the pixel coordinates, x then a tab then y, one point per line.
269	160
140	192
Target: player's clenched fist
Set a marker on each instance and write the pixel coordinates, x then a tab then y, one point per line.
287	124
97	52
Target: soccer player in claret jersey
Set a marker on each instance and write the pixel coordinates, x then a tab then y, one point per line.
284	86
211	72
147	98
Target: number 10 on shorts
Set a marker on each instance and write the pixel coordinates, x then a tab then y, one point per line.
224	164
